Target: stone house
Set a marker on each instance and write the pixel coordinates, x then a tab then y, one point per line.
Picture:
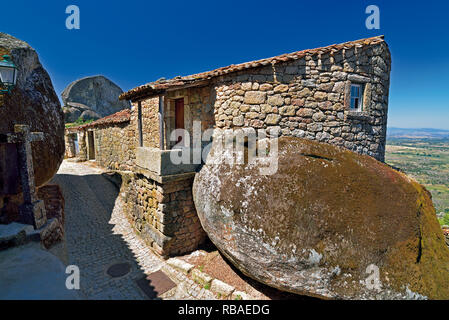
109	141
336	94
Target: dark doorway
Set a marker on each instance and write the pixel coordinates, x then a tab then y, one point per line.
90	138
179	117
9	170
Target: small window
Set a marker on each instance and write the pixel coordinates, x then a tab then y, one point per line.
356	97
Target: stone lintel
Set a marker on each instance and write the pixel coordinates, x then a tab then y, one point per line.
163	179
160	161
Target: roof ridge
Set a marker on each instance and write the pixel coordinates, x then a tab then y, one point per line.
118	117
179	81
353	42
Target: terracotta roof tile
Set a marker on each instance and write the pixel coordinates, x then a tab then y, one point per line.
118	117
153	88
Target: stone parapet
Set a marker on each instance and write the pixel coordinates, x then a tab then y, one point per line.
160	161
163	213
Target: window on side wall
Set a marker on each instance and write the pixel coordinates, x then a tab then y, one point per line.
357	97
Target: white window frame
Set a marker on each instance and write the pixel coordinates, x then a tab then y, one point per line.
351	98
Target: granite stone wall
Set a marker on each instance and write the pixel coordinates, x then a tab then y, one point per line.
150	122
310	98
163	214
82	136
54	201
198	106
115	146
70	148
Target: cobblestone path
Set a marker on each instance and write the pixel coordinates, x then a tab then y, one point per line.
98	235
92	243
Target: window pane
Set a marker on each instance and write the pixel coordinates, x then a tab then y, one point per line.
355	91
356	96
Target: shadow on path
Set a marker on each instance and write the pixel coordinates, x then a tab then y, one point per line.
91	242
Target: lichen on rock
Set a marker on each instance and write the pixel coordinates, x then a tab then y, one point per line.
33	102
92	98
315	226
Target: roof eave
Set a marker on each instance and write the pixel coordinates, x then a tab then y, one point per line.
150	92
156	88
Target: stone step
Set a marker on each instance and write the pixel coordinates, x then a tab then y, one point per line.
17	234
12	235
46	234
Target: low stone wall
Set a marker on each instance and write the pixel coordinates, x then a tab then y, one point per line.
150	122
52	232
70	149
115	146
54	201
162	213
82	156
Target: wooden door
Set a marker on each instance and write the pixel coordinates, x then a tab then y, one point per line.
179	117
91	142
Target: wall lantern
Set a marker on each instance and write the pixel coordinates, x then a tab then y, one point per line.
8	75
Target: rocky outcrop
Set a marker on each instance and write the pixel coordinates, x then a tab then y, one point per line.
325	223
92	98
33	102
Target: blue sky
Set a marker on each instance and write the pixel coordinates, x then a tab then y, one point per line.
133	42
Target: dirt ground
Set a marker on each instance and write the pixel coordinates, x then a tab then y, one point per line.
209	260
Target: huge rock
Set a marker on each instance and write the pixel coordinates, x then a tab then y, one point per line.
32	102
324	222
92	98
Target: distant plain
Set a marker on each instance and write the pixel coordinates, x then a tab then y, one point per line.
424	155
